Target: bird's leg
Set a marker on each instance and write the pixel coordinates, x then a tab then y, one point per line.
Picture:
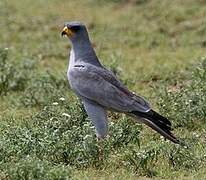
100	148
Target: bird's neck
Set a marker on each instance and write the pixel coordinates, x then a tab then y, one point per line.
83	51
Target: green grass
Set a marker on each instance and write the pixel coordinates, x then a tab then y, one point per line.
157	48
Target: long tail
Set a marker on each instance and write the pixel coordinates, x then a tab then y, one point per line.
157	122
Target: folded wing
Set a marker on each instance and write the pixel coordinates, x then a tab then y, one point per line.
102	87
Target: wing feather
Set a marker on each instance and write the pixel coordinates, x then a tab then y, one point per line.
100	85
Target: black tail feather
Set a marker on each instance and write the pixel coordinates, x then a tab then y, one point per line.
160	117
157	122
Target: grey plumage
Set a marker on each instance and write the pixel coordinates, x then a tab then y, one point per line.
100	90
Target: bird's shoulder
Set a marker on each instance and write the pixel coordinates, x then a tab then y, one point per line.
94	71
82	68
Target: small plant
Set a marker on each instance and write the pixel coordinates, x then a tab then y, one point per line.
147	160
123	132
35	89
13	76
143	160
184	157
186	105
113	65
43	89
62	134
34	168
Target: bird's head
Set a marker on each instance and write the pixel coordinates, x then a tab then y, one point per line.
75	31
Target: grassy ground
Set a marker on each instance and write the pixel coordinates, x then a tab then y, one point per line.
157	49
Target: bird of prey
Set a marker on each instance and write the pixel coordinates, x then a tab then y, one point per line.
100	90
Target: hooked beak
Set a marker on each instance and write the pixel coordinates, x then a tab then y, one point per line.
67	31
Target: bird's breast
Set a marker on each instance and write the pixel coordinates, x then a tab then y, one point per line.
70	77
74	77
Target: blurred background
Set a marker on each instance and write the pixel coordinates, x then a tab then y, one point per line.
156	48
